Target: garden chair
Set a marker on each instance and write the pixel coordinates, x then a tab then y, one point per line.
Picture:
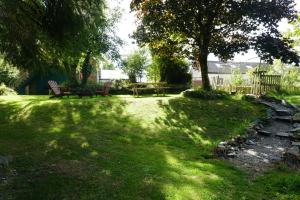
57	92
105	90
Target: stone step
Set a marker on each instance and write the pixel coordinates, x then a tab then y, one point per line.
295	130
264	133
294	151
296	144
283	118
296	117
283	112
283	135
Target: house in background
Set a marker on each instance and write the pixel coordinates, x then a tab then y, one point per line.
224	71
104	75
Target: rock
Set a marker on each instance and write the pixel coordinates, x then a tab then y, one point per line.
270	113
249	97
264	133
5	160
296	125
221	151
270	99
283	112
231	155
296	136
294	151
296	144
294	107
296	117
292	156
283	134
283	118
295	130
239	140
250	142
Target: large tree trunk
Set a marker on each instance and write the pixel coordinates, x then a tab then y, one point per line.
202	61
86	69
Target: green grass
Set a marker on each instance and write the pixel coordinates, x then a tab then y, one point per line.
129	148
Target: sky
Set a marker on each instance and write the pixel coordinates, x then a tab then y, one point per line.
127	25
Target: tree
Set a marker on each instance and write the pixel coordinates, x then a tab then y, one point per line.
290	74
236	77
294	34
38	35
222	27
153	70
135	64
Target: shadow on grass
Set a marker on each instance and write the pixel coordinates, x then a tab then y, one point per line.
93	149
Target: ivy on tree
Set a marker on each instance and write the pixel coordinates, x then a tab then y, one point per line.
223	27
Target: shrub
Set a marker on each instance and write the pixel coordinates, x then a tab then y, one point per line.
4	90
203	94
9	75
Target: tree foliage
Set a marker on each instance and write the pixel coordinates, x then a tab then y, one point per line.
223	27
40	34
294	34
135	65
173	70
290	74
153	70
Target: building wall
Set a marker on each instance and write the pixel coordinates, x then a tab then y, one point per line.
197	80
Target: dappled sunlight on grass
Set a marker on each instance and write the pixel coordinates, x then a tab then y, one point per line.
122	147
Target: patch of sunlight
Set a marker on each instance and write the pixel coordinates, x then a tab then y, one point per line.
197	138
11	98
94	153
78	137
85	145
195	134
106	172
187	191
171	159
56	129
53	145
76	117
220	103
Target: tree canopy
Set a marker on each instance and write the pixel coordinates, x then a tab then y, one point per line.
135	64
223	27
40	34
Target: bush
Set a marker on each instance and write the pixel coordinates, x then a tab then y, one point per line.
209	95
4	90
10	76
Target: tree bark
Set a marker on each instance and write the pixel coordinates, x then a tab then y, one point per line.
86	69
202	61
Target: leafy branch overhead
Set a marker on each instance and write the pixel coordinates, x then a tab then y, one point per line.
223	27
40	34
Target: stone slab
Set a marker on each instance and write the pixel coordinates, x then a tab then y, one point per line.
283	134
283	118
265	133
296	144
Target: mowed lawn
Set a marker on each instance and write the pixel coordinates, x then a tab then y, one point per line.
122	147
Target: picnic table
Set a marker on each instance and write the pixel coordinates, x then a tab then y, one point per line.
159	88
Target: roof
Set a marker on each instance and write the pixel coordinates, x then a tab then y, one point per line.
216	67
112	74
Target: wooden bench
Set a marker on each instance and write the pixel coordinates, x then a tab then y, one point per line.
159	88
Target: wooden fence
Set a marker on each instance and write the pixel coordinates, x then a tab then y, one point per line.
263	83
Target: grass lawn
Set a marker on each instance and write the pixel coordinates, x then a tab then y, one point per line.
129	148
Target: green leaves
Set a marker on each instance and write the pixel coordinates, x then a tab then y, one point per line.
220	27
135	64
41	34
